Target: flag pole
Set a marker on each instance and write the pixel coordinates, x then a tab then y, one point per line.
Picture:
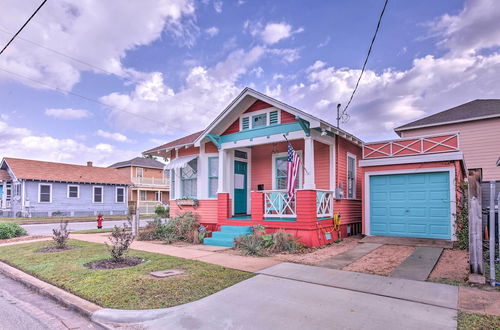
305	169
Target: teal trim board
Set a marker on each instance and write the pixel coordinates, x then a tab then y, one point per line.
261	131
411	205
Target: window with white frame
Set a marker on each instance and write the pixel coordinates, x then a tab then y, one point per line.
280	171
120	194
73	191
142	195
140	172
261	118
98	194
188	179
213	176
17	189
158	196
44	193
8	192
351	176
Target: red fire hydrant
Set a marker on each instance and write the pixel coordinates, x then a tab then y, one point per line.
99	221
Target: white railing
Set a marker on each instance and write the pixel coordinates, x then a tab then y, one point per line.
152	181
4	206
277	204
147	207
324	203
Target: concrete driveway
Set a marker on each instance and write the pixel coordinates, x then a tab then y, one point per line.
292	296
46	228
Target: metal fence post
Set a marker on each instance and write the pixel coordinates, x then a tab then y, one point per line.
492	233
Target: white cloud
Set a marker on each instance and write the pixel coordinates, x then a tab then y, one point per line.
275	32
218	6
206	92
118	137
22	143
212	31
68	113
83	29
287	54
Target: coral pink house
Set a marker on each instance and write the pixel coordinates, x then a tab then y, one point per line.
235	170
235	174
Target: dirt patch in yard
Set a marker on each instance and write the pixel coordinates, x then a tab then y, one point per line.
52	249
111	264
381	261
453	266
315	256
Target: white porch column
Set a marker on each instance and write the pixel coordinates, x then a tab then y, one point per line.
309	163
223	158
178	183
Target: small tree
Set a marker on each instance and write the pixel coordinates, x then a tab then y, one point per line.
121	238
61	235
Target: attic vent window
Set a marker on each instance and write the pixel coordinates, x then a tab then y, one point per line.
258	119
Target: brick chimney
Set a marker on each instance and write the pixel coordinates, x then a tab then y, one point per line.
89	164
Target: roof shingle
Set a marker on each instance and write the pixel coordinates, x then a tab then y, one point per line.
469	111
49	171
139	161
4	175
176	143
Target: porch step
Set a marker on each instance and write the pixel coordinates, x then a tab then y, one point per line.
226	236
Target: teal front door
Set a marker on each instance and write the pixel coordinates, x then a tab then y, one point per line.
240	187
413	205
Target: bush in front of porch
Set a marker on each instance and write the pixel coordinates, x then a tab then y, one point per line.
261	244
11	230
184	227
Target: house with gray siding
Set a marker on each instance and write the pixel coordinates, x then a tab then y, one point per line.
31	188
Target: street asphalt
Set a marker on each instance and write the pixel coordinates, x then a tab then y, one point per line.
22	308
46	228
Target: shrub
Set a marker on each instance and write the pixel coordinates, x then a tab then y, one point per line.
162	211
61	235
250	245
11	230
285	242
150	231
462	217
261	244
180	228
120	239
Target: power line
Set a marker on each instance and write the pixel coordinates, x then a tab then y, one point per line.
22	27
366	59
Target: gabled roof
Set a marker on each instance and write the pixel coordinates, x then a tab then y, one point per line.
244	100
181	142
473	110
139	161
4	176
26	169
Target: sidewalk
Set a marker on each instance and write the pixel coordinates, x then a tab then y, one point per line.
205	253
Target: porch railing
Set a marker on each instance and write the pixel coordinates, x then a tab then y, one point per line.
277	204
5	205
165	182
147	207
324	203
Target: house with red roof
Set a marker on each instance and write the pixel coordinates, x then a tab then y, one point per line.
32	188
235	174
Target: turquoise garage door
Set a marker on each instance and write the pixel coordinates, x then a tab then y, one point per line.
413	205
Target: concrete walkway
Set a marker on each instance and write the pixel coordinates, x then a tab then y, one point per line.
348	257
290	296
409	241
419	264
205	253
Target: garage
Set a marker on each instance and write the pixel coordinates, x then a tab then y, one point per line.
411	205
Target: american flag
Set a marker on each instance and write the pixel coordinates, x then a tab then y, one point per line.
293	171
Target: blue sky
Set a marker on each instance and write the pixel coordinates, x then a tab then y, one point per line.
166	68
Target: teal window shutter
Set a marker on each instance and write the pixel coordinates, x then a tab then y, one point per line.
245	123
273	117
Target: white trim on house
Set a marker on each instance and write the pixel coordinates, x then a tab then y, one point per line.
401	129
116	195
354	190
453	195
232	159
77	190
445	156
93	194
273	168
39	191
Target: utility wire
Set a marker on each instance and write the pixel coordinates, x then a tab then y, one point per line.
366	59
22	27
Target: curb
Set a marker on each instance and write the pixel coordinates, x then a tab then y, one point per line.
80	305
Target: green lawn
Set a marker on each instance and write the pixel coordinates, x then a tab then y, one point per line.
37	220
93	231
127	288
472	321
